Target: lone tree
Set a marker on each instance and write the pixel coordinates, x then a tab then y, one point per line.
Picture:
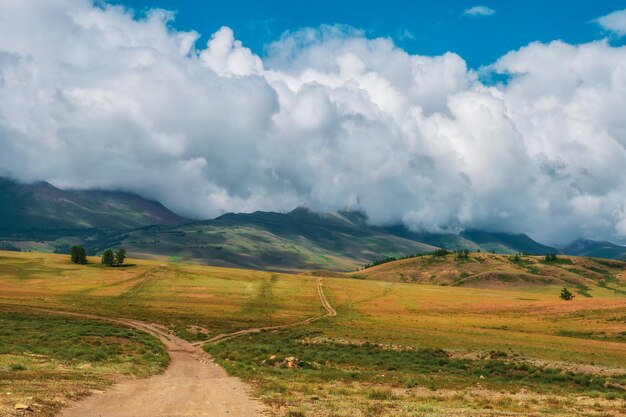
78	255
108	257
566	295
120	255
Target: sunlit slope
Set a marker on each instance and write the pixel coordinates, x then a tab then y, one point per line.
186	298
485	270
264	240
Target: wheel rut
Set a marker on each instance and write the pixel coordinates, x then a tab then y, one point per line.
330	312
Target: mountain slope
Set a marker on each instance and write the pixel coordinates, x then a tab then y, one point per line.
474	239
41	207
595	249
297	240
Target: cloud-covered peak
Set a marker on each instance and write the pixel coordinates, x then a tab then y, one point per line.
329	119
479	11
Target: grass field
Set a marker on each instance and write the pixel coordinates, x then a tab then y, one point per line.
395	348
47	360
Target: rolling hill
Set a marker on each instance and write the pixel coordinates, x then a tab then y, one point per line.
486	270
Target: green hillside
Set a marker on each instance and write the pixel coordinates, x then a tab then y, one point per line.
40	209
41	217
297	240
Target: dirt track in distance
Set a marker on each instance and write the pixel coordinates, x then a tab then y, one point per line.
330	312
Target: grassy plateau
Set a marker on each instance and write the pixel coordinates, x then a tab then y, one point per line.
484	336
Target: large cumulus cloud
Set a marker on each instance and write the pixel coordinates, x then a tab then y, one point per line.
92	97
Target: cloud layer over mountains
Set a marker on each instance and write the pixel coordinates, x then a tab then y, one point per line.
91	97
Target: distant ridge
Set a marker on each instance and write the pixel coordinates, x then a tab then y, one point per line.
474	240
595	249
41	207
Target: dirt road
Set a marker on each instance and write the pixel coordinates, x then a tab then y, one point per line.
192	386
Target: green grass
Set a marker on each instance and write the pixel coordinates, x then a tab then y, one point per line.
71	341
374	374
435	368
48	359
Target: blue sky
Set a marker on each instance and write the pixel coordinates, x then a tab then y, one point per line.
423	27
328	119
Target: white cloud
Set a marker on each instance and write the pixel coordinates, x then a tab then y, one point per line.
614	22
329	119
479	11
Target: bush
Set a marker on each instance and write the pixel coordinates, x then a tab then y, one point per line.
15	367
566	295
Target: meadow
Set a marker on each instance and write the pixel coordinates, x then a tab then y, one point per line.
394	348
47	360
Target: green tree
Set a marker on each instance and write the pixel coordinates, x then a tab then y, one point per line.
78	254
108	258
566	295
82	255
120	255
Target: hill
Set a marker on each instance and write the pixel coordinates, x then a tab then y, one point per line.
486	270
585	247
40	209
297	240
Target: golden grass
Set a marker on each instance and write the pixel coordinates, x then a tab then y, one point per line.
521	319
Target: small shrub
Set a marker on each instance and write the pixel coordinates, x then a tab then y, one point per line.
411	383
16	367
380	394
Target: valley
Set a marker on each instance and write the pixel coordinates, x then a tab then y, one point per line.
475	348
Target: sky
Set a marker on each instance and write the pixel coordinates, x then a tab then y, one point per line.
419	27
463	115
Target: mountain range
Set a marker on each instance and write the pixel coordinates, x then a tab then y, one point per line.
42	217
